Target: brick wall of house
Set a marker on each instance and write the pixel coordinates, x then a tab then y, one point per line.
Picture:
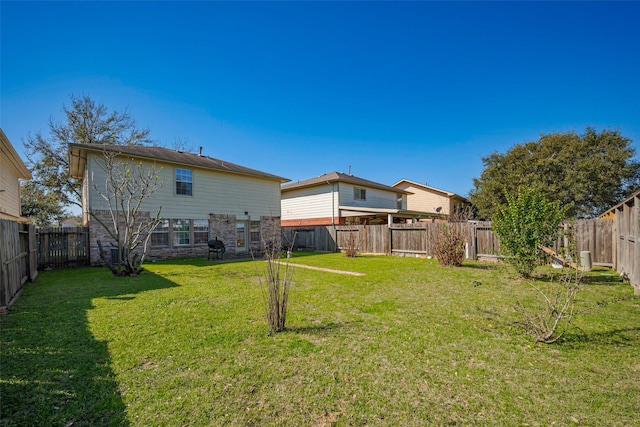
221	227
98	233
270	231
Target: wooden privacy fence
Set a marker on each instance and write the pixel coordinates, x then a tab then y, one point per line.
595	236
17	258
418	239
62	247
399	239
627	240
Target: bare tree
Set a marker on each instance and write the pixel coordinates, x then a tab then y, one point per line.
128	183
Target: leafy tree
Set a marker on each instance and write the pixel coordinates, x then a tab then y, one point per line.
523	224
592	172
87	122
37	204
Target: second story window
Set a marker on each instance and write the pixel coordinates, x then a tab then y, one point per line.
184	182
359	193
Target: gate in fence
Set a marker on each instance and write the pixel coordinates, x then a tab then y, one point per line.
62	247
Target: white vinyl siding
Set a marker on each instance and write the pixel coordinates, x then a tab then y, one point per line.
311	202
213	192
375	198
10	196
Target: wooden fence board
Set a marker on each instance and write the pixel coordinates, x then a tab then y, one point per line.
15	266
627	238
419	239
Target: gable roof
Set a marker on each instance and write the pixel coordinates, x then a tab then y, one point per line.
78	158
611	213
12	159
428	188
332	177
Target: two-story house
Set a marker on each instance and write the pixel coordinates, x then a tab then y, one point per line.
337	198
424	198
202	198
12	170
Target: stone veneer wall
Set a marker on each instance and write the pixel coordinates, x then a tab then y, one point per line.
222	227
270	230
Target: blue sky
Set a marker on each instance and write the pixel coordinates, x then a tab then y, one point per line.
415	90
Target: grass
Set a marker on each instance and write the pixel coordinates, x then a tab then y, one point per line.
409	343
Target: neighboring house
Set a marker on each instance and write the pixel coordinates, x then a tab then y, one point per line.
12	170
71	222
431	200
337	198
202	199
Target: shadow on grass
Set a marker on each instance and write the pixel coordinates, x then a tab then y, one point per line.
607	279
480	266
315	329
621	337
604	279
54	372
203	261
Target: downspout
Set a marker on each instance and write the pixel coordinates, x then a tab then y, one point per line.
333	206
333	216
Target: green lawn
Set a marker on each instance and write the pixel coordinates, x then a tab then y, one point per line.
407	344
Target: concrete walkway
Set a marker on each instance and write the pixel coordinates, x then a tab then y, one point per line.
328	270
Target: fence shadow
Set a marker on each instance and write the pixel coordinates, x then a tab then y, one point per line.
315	329
54	371
617	337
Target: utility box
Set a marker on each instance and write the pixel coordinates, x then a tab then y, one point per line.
585	260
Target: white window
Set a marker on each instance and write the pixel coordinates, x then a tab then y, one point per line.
184	182
359	193
160	236
181	232
200	231
254	231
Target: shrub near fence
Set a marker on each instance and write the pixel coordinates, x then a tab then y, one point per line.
418	239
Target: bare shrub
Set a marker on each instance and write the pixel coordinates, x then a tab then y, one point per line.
451	238
352	244
552	321
450	242
275	282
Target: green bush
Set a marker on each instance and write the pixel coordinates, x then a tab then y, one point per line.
523	224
